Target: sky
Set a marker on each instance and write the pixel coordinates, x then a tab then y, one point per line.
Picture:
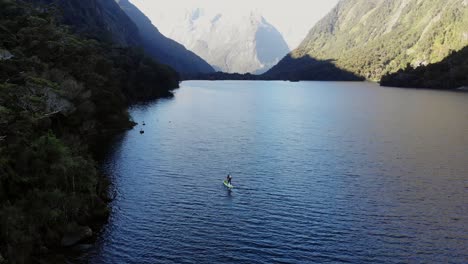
293	18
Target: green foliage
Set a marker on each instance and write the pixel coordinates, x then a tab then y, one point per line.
450	73
373	38
56	94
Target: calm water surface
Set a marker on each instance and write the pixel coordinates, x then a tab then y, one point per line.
325	173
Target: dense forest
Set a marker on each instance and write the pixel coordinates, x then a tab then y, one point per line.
58	92
307	68
374	38
96	19
450	73
224	76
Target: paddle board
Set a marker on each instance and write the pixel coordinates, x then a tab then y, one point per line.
230	186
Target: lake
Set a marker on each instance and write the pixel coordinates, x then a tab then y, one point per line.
325	172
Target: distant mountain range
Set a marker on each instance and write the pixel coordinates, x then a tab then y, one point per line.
244	43
372	38
162	48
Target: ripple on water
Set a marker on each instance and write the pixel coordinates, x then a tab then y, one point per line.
320	178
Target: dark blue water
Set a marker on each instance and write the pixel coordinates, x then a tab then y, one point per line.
325	173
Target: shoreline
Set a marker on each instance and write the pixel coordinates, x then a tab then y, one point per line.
53	196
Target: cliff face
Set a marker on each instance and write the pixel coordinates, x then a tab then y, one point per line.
162	48
371	38
234	43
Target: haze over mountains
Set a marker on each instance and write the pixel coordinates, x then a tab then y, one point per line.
162	48
292	18
224	33
239	42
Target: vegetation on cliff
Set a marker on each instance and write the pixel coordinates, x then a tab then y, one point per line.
224	76
373	38
96	19
450	73
57	91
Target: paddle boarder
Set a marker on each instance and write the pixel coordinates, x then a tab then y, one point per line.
229	178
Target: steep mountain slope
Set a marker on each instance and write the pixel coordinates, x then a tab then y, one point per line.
58	92
101	19
121	23
450	73
230	42
371	38
161	48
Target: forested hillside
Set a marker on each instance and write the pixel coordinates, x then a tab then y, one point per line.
98	19
450	73
242	42
120	23
371	38
162	48
58	92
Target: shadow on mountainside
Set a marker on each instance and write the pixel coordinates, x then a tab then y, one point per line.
163	49
450	73
290	69
309	69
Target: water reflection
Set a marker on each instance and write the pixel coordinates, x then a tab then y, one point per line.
325	172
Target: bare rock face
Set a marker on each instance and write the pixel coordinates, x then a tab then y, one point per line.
76	236
232	43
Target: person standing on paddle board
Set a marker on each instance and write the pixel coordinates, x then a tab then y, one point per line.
229	178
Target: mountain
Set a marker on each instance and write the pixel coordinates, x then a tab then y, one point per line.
371	38
121	23
307	68
99	19
231	42
59	93
162	48
450	73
